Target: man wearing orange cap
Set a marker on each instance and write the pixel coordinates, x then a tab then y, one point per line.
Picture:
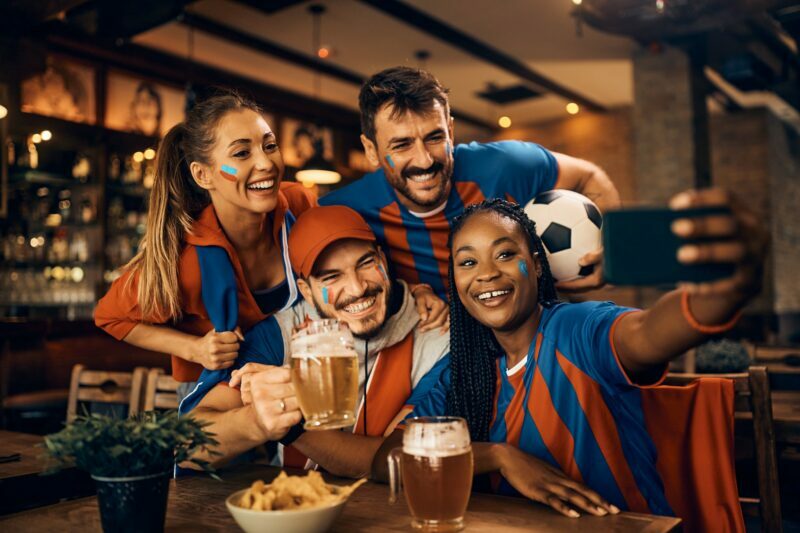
343	275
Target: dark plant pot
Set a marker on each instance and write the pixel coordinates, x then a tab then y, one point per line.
133	504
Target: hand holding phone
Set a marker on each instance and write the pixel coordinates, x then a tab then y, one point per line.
705	238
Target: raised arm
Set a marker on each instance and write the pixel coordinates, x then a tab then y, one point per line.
685	317
588	179
591	181
239	427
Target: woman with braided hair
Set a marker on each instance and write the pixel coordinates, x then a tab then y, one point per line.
559	397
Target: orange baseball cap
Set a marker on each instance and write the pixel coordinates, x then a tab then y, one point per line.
318	227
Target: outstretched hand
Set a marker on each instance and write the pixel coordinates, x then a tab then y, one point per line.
737	237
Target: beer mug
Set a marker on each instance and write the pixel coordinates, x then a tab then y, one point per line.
435	468
324	368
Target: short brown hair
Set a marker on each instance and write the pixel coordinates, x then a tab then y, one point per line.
405	88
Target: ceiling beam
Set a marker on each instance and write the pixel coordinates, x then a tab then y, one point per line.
177	70
449	34
260	44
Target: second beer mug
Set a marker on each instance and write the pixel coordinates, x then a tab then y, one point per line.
435	469
324	369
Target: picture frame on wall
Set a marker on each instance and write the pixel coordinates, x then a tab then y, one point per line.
300	140
138	105
65	89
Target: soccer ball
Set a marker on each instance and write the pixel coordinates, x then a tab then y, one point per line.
569	226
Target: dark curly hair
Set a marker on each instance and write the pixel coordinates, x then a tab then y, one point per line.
473	347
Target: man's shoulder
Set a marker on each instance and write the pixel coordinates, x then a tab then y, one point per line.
432	343
364	194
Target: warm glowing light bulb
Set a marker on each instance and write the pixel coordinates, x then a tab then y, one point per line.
577	2
46	135
3	111
149	154
323	52
36	138
504	121
573	108
138	157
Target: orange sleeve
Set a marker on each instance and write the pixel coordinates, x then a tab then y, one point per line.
299	198
118	311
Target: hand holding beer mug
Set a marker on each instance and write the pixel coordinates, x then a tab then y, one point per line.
325	374
435	467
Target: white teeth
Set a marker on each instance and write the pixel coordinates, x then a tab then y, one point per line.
491	294
262	185
361	306
422	178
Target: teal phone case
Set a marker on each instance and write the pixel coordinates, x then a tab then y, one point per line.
639	248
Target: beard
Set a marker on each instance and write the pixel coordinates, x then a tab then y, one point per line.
368	326
400	183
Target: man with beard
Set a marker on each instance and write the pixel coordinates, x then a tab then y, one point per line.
423	180
343	275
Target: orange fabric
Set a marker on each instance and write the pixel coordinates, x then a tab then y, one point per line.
389	388
555	434
395	233
469	192
515	414
692	428
118	312
439	230
319	227
605	432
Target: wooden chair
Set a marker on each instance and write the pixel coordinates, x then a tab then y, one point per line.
122	388
161	391
753	402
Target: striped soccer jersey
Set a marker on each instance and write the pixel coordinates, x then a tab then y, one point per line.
417	245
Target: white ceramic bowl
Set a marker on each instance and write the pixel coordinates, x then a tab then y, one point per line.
315	520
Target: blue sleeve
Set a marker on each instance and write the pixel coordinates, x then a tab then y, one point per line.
262	344
428	381
434	401
583	335
522	169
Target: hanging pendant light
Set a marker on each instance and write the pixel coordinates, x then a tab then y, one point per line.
317	170
3	111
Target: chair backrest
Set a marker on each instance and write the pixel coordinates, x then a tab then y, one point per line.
122	388
161	391
753	403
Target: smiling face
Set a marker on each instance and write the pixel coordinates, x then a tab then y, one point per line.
349	283
415	152
495	272
246	166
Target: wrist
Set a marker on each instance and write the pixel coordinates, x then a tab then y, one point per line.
499	454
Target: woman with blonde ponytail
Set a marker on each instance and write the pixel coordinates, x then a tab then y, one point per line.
217	185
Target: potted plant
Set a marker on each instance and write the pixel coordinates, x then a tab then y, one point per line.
131	461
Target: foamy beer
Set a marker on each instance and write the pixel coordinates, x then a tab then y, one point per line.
435	469
324	368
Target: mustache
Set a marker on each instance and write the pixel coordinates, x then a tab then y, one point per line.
369	293
416	171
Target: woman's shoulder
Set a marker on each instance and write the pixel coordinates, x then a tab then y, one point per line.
298	198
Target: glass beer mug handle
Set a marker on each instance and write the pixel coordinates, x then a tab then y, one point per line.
394	458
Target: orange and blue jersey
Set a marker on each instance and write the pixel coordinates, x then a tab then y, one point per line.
571	403
417	245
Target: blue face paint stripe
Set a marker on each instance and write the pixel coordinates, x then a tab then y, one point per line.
229	169
390	161
523	267
325	295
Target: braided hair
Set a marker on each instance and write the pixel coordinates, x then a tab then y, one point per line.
473	347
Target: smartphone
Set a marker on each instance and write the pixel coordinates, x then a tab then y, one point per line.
639	248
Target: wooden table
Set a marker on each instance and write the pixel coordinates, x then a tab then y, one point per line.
21	484
197	503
